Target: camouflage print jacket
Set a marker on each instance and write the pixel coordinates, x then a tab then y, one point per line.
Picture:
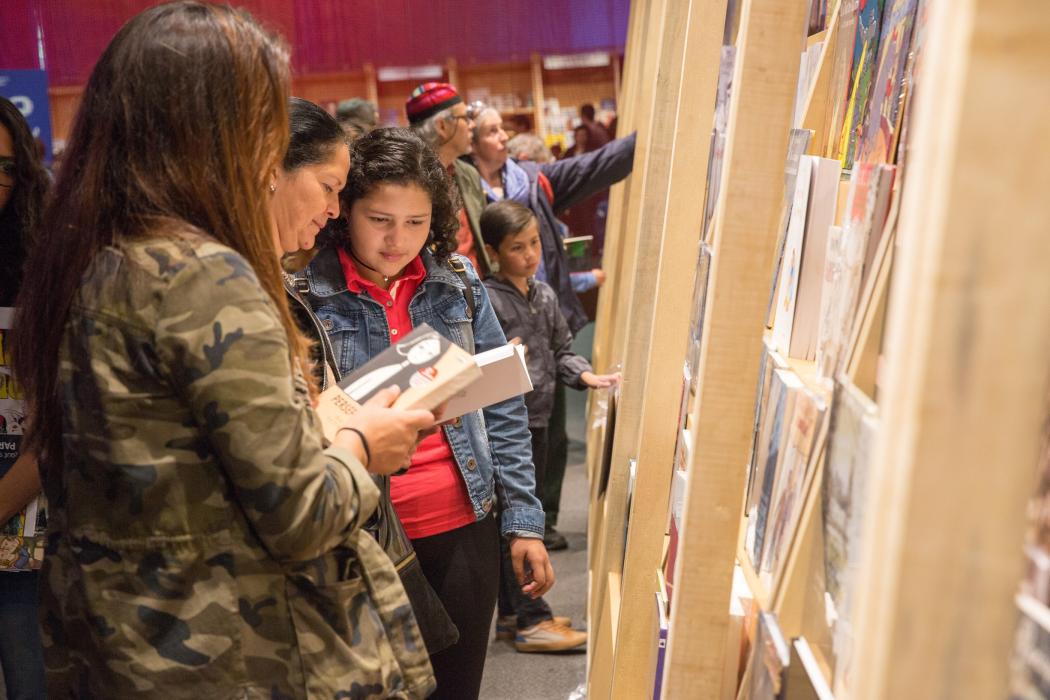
202	543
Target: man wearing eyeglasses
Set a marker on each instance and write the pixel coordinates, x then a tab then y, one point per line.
439	116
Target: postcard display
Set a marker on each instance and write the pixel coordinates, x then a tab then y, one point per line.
837	334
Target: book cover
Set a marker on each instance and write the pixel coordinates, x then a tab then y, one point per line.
785	388
865	55
786	500
22	536
791	260
428	367
878	134
820	214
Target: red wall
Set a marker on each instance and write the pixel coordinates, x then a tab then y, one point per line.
333	35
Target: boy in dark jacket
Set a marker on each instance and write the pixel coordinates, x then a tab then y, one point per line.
528	311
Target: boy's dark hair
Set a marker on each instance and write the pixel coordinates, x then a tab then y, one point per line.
502	219
397	156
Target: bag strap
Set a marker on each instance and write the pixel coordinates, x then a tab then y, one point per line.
468	294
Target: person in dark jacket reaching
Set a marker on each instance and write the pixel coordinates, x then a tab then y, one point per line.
528	311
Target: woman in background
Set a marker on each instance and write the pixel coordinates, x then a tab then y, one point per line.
23	185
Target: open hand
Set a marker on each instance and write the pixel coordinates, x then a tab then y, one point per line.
600	381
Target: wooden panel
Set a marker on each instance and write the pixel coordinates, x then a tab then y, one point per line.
649	27
575	86
500	79
743	243
966	362
329	89
670	234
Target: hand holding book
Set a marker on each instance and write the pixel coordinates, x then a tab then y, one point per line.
382	437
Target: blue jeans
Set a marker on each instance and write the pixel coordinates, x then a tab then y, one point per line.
21	651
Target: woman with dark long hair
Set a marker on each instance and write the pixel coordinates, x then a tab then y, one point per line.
23	184
391	269
203	541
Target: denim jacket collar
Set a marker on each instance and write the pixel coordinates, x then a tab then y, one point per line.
326	277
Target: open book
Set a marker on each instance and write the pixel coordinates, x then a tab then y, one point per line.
430	371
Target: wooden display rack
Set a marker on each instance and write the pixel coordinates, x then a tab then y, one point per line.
962	373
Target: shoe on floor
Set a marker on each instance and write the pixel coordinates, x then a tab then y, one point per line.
554	541
549	636
507	625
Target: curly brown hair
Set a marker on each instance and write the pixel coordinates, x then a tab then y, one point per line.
398	156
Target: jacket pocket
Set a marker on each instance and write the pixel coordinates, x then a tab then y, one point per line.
344	648
347	334
161	615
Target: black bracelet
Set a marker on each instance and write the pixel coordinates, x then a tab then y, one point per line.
364	444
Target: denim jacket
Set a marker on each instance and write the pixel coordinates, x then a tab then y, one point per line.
492	447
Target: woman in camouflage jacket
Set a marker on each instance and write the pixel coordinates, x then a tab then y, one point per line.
202	541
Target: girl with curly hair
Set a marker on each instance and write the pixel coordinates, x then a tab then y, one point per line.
389	266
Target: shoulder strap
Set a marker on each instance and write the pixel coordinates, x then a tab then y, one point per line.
468	294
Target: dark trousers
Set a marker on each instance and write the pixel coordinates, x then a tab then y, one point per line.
511	600
557	457
462	566
21	651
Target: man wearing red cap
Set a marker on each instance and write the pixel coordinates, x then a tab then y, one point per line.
439	116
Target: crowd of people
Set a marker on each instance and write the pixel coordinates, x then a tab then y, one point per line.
211	256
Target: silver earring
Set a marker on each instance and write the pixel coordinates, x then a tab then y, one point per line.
273	188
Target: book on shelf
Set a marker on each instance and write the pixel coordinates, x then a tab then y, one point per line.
798	299
841	57
850	260
789	482
679	486
865	55
809	65
784	389
22	535
771	360
770	659
805	677
663	625
878	138
854	422
1030	661
798	142
742	610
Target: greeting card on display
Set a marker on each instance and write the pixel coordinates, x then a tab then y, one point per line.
792	476
878	137
841	66
865	55
783	391
798	142
823	191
